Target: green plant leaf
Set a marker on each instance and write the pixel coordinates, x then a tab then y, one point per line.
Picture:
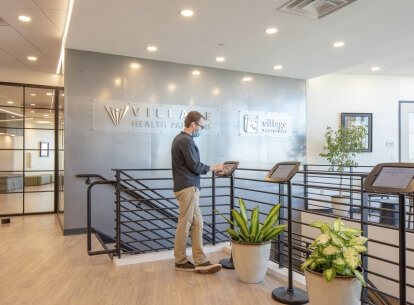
351	257
233	234
316	224
360	240
254	227
243	211
360	277
350	231
272	216
323	239
339	263
360	249
331	250
325	228
336	240
338	225
307	263
227	219
241	224
273	233
329	274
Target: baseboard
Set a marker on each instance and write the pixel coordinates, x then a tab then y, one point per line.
162	255
75	231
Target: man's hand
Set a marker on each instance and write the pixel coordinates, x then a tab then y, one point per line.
217	167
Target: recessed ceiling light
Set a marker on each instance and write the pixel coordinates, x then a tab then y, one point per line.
43	122
32	104
171	87
62	94
220	59
12	116
152	48
215	91
12	135
25	18
187	13
278	67
32	58
118	81
32	94
46	115
32	111
10	102
134	65
247	79
374	69
338	44
196	72
271	31
49	93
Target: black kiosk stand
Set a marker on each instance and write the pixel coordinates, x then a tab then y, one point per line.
229	168
396	179
282	173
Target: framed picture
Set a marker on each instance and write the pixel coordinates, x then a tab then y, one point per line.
44	149
360	119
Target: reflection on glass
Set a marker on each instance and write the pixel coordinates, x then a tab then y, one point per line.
39	202
39	98
11	117
11	160
11	96
34	138
11	203
11	138
40	118
39	181
35	160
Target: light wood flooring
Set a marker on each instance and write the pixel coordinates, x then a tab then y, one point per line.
39	266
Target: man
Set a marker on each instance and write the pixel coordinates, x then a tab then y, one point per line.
187	168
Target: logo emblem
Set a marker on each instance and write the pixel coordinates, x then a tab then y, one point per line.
117	114
251	123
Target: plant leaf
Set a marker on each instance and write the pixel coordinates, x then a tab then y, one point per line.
360	277
254	227
360	249
331	250
323	239
241	224
227	219
360	240
338	225
337	240
351	257
326	229
272	216
306	263
329	274
243	211
273	233
339	263
316	224
233	234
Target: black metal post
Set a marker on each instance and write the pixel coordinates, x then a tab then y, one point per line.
290	295
351	208
364	229
89	218
281	237
118	212
305	183
402	261
227	263
213	208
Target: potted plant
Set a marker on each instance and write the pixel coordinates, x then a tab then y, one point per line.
341	147
251	241
333	270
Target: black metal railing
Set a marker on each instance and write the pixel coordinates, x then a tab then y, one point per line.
146	214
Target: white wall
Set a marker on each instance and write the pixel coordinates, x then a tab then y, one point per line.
329	95
31	77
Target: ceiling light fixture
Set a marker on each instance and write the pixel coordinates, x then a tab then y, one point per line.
271	31
10	112
43	122
196	72
32	94
375	69
220	59
10	102
134	65
152	48
216	91
62	94
46	115
60	66
277	67
338	44
49	93
32	104
247	79
32	58
187	13
23	18
118	81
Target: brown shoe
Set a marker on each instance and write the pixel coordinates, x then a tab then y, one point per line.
188	266
207	268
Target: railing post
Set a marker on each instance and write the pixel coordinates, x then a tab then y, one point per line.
351	207
227	263
305	182
364	229
213	207
402	244
118	211
89	218
281	237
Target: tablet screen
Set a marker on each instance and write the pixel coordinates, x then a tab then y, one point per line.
394	177
282	171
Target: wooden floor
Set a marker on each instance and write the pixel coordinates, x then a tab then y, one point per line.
38	266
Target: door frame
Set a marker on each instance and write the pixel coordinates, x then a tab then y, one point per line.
399	126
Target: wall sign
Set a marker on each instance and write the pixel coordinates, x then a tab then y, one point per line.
149	118
265	124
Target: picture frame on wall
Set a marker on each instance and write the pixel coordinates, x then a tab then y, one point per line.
359	119
44	149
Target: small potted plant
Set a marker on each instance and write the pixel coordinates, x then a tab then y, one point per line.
251	241
341	147
333	270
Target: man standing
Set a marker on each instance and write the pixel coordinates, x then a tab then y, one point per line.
187	168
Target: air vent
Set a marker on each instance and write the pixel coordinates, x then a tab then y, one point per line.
314	8
2	22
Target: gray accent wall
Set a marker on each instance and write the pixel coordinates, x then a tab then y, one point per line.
91	78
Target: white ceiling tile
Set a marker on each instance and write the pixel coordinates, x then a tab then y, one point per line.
58	17
18	3
7	61
39	18
52	4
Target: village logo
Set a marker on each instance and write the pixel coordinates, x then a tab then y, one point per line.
117	114
251	123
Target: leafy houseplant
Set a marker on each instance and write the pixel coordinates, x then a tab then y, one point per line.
335	257
251	241
340	149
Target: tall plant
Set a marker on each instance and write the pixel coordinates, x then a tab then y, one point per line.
342	146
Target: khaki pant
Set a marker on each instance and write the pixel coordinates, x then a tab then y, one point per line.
189	218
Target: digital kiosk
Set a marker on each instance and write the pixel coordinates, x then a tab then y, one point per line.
395	179
229	168
282	173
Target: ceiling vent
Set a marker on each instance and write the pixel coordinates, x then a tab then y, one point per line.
314	8
2	22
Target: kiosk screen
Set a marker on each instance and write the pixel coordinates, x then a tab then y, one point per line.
282	171
394	177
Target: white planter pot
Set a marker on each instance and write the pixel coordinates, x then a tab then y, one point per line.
251	261
343	290
337	205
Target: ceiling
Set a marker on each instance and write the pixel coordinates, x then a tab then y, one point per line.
373	30
41	37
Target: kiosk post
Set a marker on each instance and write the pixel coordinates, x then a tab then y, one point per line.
213	208
402	261
290	250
